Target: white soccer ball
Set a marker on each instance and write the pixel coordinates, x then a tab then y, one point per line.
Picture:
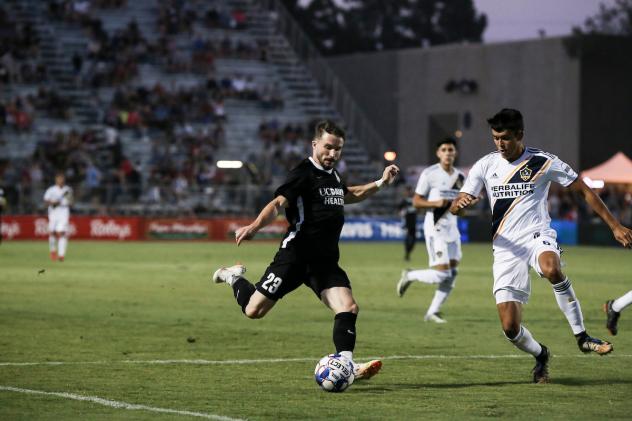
334	373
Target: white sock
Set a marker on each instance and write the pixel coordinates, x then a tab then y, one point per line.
568	303
622	302
63	243
442	293
525	342
429	276
347	354
52	245
438	299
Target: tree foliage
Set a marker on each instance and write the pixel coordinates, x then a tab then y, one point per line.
348	26
610	20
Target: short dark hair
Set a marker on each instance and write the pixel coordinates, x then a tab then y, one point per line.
507	119
329	127
446	141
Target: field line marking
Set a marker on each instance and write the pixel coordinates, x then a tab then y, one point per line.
286	360
118	404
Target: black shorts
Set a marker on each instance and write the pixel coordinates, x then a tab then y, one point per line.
290	269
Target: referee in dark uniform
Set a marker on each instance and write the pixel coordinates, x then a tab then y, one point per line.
409	221
313	196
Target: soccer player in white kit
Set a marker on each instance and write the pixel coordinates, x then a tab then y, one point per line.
517	180
438	185
613	308
58	197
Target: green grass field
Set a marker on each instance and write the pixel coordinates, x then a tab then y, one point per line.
120	319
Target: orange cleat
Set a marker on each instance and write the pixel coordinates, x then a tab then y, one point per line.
367	370
53	255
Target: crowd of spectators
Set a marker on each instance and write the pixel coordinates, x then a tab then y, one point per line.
20	111
19	50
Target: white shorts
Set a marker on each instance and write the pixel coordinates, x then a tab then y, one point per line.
440	251
512	262
57	224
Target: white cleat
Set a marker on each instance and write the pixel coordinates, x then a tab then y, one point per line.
228	275
403	283
434	318
367	370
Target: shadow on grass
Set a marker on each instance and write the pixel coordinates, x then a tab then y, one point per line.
564	381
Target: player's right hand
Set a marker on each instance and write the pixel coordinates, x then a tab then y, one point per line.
244	233
461	202
623	235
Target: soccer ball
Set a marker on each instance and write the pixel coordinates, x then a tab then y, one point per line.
334	373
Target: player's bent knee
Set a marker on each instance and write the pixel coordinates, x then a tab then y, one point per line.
553	273
255	311
354	308
511	332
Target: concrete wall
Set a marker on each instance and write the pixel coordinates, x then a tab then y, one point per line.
401	91
371	79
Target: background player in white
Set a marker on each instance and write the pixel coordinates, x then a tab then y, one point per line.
517	181
58	197
613	308
438	185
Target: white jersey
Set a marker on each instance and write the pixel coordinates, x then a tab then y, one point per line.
435	184
61	195
518	191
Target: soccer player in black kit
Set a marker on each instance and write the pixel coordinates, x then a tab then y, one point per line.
313	196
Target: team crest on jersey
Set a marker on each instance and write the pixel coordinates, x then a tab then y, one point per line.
525	173
439	253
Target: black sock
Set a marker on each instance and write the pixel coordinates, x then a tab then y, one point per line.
581	337
243	290
344	331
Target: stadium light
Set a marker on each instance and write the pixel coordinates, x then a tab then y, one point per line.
390	156
594	184
229	164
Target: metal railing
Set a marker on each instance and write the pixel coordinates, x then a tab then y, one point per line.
359	124
166	199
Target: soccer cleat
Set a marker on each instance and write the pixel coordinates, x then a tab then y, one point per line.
229	274
589	344
403	283
541	369
60	258
612	317
436	317
367	370
53	255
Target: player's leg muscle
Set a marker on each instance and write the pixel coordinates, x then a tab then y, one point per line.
258	306
551	267
510	314
339	299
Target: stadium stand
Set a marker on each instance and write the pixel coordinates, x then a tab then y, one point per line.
138	100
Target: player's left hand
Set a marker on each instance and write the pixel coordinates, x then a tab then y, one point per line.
390	173
623	235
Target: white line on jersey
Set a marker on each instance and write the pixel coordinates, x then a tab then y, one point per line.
290	360
118	404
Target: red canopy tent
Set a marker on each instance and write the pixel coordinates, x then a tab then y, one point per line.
617	169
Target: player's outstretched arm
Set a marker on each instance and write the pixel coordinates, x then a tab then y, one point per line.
621	233
462	201
266	216
357	194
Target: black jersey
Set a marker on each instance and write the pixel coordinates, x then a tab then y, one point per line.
316	209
